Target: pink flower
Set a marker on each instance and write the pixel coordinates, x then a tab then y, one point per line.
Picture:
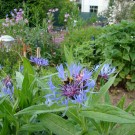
20	10
49	21
5	24
67	15
15	10
49	27
7	20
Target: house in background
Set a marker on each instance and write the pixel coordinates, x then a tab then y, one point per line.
92	6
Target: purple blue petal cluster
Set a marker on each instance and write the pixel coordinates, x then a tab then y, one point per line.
74	86
8	88
106	70
39	61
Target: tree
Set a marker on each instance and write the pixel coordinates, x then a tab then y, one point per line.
119	10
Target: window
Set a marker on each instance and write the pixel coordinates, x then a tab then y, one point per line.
93	9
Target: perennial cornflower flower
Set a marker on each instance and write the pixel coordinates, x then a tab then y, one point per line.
8	88
21	68
75	84
39	61
106	70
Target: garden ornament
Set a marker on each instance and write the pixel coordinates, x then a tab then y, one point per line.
7	40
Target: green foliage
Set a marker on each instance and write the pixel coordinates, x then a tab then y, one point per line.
119	10
27	113
82	44
9	61
72	10
38	9
92	19
8	5
68	55
58	125
111	2
133	12
117	44
33	37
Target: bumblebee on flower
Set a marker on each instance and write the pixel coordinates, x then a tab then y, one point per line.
75	84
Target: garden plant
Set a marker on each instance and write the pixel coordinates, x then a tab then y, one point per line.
55	82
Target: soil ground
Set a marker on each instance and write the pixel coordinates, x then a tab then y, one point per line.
117	93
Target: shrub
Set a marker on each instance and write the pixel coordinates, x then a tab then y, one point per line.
37	9
117	44
81	42
9	61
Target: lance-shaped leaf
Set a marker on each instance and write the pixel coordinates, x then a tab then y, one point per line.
39	109
108	113
58	125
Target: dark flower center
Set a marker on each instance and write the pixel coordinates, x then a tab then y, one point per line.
72	87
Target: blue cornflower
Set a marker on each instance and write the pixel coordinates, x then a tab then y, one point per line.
75	84
21	68
8	88
106	70
39	61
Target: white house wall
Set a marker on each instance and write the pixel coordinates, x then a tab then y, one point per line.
102	5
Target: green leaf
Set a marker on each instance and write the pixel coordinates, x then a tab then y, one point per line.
25	95
48	76
7	112
122	74
130	85
107	98
126	57
5	129
32	127
126	47
125	129
19	79
57	124
28	69
131	107
39	109
103	90
72	113
97	125
2	99
121	102
133	78
132	56
68	55
108	113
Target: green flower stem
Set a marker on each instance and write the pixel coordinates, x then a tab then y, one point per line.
83	121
